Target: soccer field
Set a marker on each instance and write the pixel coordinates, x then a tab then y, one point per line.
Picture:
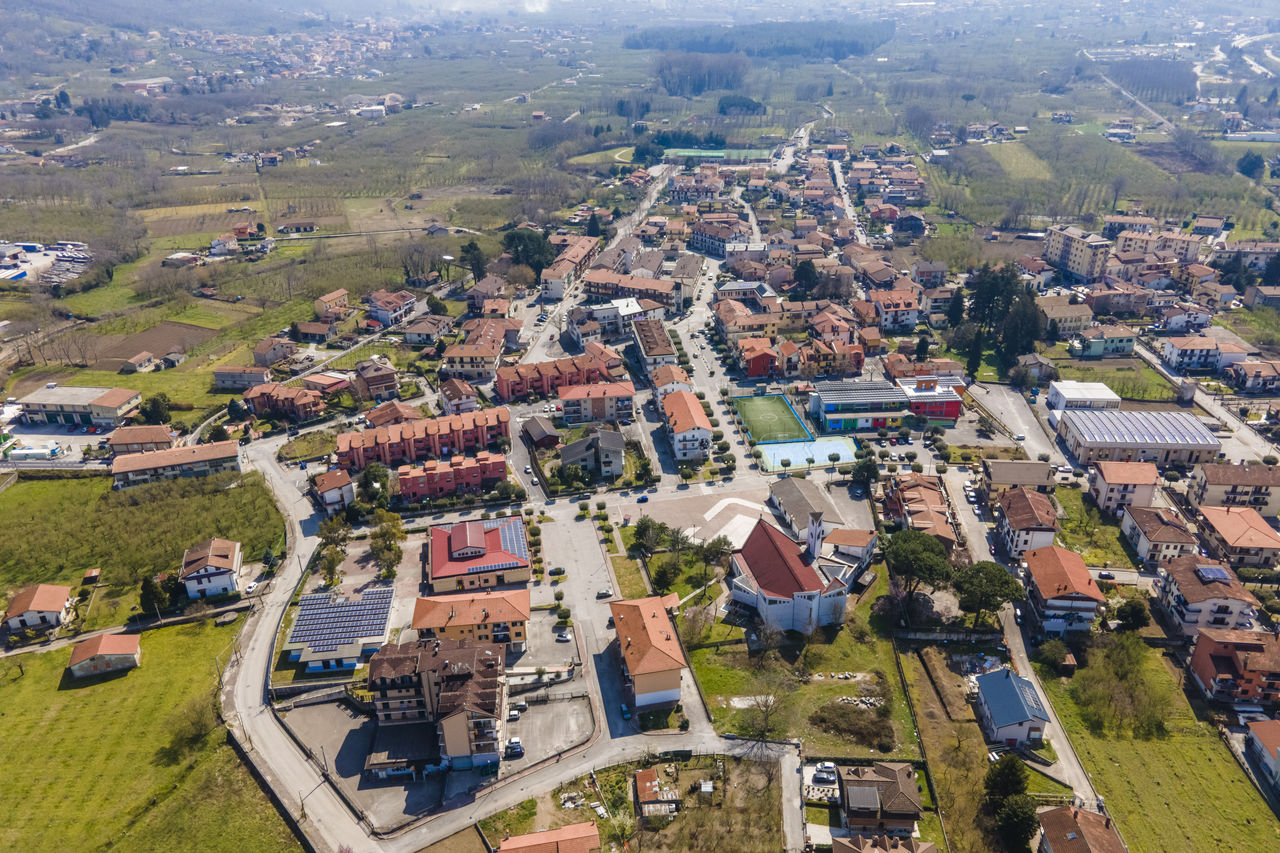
771	419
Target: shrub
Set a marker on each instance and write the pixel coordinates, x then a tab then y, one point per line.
941	467
583	506
1053	653
559	595
717	435
1269	460
562	613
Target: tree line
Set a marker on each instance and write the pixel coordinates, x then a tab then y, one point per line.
804	39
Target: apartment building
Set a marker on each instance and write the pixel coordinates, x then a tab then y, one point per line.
430	438
1116	485
1076	252
1249	484
1197	593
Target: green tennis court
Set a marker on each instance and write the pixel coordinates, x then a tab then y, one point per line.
770	419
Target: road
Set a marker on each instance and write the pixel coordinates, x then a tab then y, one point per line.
1164	123
1010	409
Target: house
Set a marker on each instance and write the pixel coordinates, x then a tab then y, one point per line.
895	309
458	396
375	379
334	491
1263	743
1254	377
474	362
80	405
195	461
1201	353
656	796
1063	595
1196	592
789	587
1009	709
227	378
999	475
320	332
1239	535
1237	666
1104	341
1228	484
425	331
1262	296
1162	437
1185	317
916	501
1038	367
329	382
392	412
1070	829
141	439
492	616
598	363
881	844
295	403
653	345
1071	319
881	799
140	363
458	686
476	554
930	273
390	309
1116	485
599	401
211	568
688	426
333	302
104	654
652	661
802	502
601	453
541	432
574	838
1156	534
457	475
668	378
42	607
489	287
856	546
1027	520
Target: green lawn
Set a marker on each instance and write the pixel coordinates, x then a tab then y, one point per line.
1258	326
1092	534
770	419
1131	378
309	446
1019	162
1180	792
106	763
630	580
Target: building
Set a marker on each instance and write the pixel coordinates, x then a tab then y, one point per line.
1239	535
139	363
670	378
80	405
688	426
1164	438
1027	520
856	546
458	396
1069	394
789	589
1010	709
431	438
392	412
105	653
196	461
802	502
601	285
541	432
457	685
492	616
932	399
1237	666
298	404
895	309
598	364
1116	485
1063	595
1076	253
865	404
334	491
476	554
1201	353
1196	592
473	362
425	331
389	309
1226	484
268	351
1070	318
881	844
1263	743
917	502
600	401
999	475
1156	534
1254	377
211	568
375	379
329	382
141	439
653	344
319	332
574	838
652	661
1068	829
655	796
602	453
42	607
458	475
334	301
881	799
239	378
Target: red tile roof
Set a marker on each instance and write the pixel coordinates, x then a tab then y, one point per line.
448	539
41	598
574	838
646	635
331	480
774	561
1057	571
105	644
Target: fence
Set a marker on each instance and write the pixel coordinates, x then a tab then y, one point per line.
924	755
8	480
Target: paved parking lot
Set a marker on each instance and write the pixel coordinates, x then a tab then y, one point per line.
71	443
548	728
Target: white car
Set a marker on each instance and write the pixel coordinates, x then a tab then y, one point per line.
534	481
528	469
251	587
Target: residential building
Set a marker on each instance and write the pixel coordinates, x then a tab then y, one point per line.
656	796
1228	484
375	379
948	371
1104	341
141	439
1070	318
574	838
668	378
1009	709
458	475
42	607
999	475
392	412
1161	437
895	309
329	382
557	278
476	554
602	453
710	239
334	491
139	363
196	461
458	396
1075	252
881	799
425	439
1113	225
297	404
476	362
104	654
1116	485
335	301
1038	366
426	330
652	661
599	401
319	332
930	273
603	285
1070	829
80	405
211	568
1263	743
917	502
1070	394
239	378
458	685
790	588
1027	520
489	287
881	844
1188	317
688	426
390	309
1157	534
1201	353
268	351
493	616
1237	666
598	364
541	432
1239	535
1063	595
653	344
931	399
1263	296
1196	592
802	502
1254	377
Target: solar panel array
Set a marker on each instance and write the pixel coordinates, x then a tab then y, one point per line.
1213	573
327	621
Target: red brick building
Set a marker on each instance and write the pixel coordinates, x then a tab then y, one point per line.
431	438
459	475
1232	665
598	364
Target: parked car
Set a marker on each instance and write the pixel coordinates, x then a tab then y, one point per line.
558	570
513	715
515	749
604	593
643	499
626	712
1106	576
251	587
564	637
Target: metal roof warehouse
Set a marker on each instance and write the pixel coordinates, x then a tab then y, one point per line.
1160	437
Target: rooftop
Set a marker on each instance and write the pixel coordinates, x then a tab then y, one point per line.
645	634
1244	474
800	498
478	546
1025	508
1128	473
174	456
1160	524
1241	526
1010	699
1140	429
1201	579
1058	572
776	563
1073	390
442	611
875	391
105	644
41	598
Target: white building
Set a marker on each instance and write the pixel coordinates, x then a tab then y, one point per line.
786	587
1069	394
1198	593
1116	485
211	568
688	426
1160	437
1263	742
1063	595
42	607
1201	353
1157	534
1027	521
1010	709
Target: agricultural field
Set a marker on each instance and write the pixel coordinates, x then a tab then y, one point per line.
140	787
1019	162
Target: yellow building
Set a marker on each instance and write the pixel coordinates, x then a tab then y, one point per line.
651	657
492	616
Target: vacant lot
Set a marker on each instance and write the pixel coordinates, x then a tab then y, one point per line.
1180	792
1019	162
1131	378
94	777
1092	534
163	338
770	419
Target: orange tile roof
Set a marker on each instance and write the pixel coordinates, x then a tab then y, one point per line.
105	644
850	538
174	456
684	412
1135	473
574	838
41	598
1241	526
442	611
646	635
1057	571
668	374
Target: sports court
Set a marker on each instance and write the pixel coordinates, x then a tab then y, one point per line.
798	453
770	419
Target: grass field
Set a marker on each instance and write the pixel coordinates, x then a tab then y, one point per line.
770	419
97	776
607	157
1090	533
1182	792
1019	162
1131	378
630	581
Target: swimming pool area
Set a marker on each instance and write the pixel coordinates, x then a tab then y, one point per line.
799	452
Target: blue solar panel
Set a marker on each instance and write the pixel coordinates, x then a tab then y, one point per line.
1213	573
326	622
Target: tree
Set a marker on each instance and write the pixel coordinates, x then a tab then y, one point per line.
866	471
153	597
374	480
472	257
955	310
663	573
530	248
1053	652
917	558
218	433
155	409
1251	165
678	541
330	561
922	348
1016	822
334	532
767	693
1271	272
806	276
714	550
785	463
384	541
650	535
986	586
236	410
1118	183
593	226
974	361
1133	614
1006	778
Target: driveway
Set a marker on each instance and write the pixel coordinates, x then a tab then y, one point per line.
1008	407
